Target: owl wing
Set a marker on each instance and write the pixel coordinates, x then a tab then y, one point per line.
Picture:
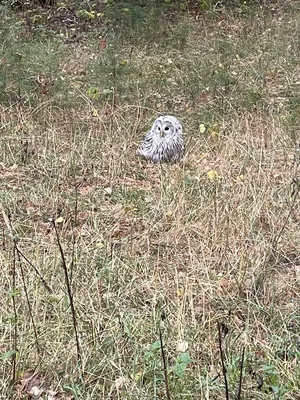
176	149
146	146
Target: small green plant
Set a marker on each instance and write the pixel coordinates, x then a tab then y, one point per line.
37	19
86	14
211	129
152	367
208	4
93	93
8	354
181	363
272	381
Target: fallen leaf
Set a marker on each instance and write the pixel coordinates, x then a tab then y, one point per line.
119	382
148	199
123	63
35	391
182	347
51	395
29	382
102	43
212	175
202	128
214	134
138	375
108	190
43	82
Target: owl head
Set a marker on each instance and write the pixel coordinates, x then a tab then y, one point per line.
166	127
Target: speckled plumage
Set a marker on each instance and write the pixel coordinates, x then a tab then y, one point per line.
164	142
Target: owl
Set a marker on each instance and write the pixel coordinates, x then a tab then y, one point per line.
164	142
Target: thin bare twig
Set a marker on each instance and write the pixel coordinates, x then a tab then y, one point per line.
28	302
15	332
47	287
17	255
74	223
165	365
70	295
8	223
224	371
13	274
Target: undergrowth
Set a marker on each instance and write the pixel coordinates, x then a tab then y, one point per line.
117	274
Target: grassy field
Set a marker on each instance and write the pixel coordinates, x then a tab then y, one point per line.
174	249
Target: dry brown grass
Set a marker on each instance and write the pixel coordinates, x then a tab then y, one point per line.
161	239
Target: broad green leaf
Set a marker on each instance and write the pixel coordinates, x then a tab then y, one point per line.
7	355
155	346
184	358
179	369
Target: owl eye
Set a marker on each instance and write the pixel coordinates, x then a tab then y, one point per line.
158	128
167	128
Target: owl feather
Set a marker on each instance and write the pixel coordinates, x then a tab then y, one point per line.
164	142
